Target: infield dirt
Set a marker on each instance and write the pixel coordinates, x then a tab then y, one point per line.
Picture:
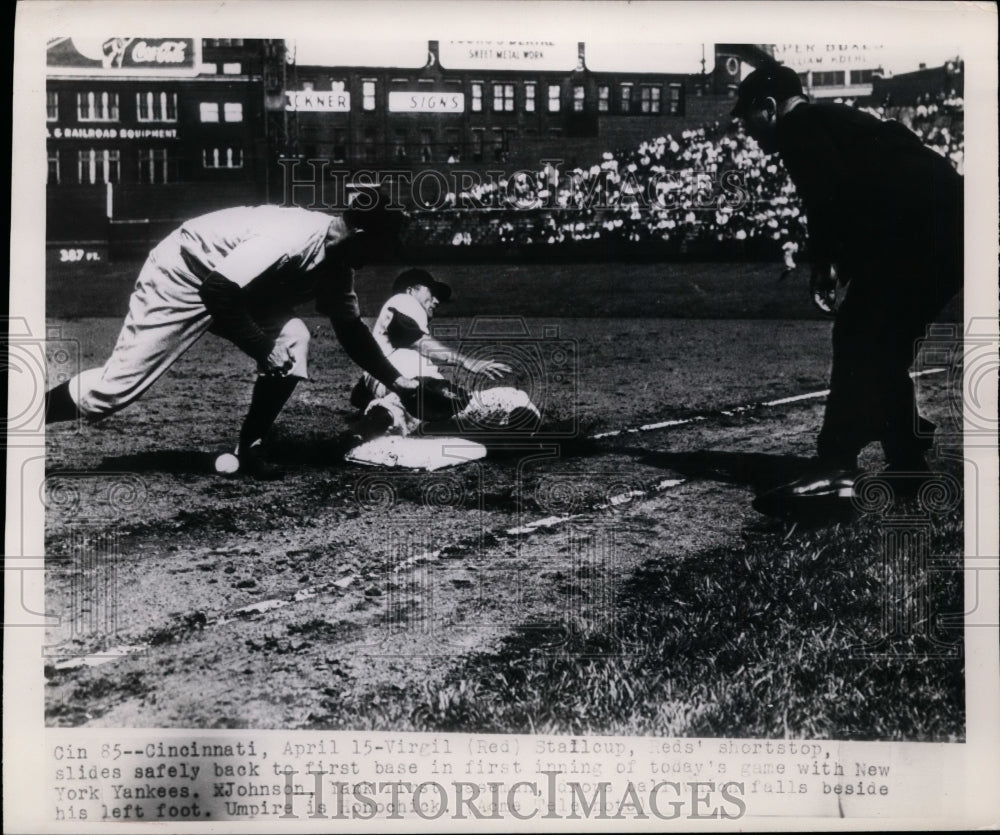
341	595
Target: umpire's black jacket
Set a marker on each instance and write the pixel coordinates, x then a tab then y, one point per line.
888	212
874	194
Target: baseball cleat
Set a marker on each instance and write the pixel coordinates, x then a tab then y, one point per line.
815	499
253	464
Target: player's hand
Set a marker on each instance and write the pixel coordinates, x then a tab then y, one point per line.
823	287
490	369
405	384
279	362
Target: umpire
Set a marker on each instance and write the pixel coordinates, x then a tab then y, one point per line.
885	216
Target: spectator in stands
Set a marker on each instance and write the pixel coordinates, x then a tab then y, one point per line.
666	178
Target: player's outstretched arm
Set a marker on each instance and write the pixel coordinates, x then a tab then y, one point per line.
437	352
361	347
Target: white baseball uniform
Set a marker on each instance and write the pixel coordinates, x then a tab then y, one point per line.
276	246
401	323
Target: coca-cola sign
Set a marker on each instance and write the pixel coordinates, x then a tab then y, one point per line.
121	56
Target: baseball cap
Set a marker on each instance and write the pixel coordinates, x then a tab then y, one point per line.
770	81
368	210
415	276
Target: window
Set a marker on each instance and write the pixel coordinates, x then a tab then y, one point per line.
499	148
369	144
453	145
861	76
208	68
97	107
209	111
529	96
399	144
509	139
233	111
579	98
232	68
222	158
626	98
153	165
675	105
477	96
53	174
503	98
339	144
51	106
603	98
368	94
649	98
94	166
426	144
553	98
478	139
828	79
156	107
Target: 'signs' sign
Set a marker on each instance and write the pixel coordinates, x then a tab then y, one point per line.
404	101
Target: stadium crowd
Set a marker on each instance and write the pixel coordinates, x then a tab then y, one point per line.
707	189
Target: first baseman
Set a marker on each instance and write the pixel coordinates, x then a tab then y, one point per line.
239	273
885	217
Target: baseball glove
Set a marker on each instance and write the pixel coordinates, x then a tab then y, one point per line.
435	399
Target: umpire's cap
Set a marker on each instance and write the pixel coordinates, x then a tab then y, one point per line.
770	81
415	277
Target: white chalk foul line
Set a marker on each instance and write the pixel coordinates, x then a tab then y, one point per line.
549	523
98	658
782	401
546	523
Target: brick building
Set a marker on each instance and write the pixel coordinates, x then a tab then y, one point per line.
141	128
143	132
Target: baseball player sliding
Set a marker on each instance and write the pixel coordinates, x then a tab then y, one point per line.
239	273
402	331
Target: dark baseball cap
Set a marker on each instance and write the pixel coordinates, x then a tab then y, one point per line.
369	210
415	277
772	81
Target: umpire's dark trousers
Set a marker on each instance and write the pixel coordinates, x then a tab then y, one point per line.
889	303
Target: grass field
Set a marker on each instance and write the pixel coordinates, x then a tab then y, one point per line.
619	585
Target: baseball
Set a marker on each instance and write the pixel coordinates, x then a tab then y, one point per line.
227	463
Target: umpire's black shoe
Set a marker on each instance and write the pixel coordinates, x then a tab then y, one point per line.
905	479
253	464
817	499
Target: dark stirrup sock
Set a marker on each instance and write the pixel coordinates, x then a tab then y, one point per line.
269	397
59	405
